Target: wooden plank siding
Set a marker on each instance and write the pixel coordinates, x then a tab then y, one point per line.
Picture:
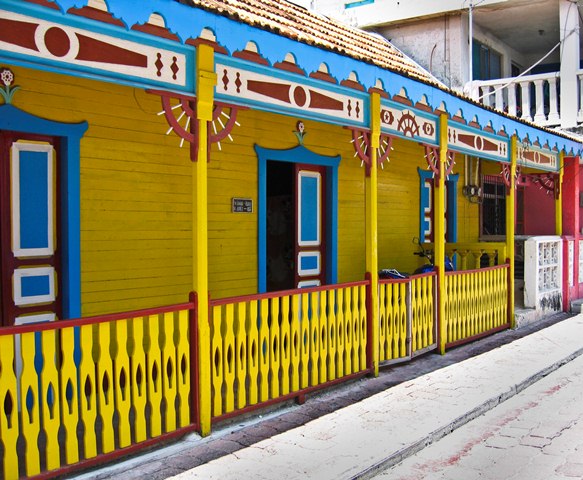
136	202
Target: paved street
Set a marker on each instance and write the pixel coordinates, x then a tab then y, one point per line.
536	435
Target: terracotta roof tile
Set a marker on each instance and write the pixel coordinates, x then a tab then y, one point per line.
297	23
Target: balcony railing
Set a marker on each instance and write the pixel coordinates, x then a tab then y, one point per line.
534	98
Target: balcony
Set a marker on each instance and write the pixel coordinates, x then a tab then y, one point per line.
534	98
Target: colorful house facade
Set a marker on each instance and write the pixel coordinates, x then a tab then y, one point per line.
210	189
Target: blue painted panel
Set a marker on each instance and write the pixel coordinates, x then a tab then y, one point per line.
35	285
34	206
309	209
309	262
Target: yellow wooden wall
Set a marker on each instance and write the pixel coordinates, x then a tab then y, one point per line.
135	191
136	201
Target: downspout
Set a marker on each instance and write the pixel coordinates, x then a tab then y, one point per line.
205	83
439	232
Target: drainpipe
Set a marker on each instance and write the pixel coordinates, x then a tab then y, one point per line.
371	207
205	82
510	214
439	232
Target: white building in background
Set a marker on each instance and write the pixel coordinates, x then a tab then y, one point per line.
524	57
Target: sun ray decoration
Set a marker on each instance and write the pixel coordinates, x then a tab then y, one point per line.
432	157
519	179
181	119
361	142
548	182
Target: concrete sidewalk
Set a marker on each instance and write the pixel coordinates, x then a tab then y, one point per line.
357	427
377	432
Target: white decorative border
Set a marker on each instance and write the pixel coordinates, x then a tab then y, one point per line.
19	299
311	271
16	247
308	283
310	243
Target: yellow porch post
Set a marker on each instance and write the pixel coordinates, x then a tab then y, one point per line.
371	201
439	231
205	82
510	220
559	198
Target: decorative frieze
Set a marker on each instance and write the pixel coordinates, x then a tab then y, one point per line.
281	93
53	44
533	156
401	121
477	143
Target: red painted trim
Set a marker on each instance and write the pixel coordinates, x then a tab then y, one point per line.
96	14
44	3
156	31
352	84
251	57
38	327
326	77
122	452
506	326
289	67
283	293
299	394
203	41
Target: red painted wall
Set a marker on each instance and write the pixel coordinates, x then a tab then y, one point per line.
539	211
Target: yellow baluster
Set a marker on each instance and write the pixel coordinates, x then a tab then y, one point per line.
50	398
227	328
88	392
29	402
105	388
9	425
69	395
264	350
296	343
348	339
241	360
382	324
122	383
331	334
274	352
183	361
323	337
340	333
170	375
218	369
285	347
139	392
314	338
253	352
155	372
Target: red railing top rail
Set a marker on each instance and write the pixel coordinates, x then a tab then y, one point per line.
478	270
284	293
59	324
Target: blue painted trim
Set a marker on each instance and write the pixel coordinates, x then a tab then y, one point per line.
424	200
14	119
188	22
358	3
299	154
418	113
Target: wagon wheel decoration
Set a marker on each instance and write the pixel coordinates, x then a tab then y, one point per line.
432	157
408	125
505	174
548	182
361	142
181	118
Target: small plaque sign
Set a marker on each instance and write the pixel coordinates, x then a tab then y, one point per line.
242	205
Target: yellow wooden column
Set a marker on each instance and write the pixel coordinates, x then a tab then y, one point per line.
439	230
205	83
372	254
559	197
510	222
